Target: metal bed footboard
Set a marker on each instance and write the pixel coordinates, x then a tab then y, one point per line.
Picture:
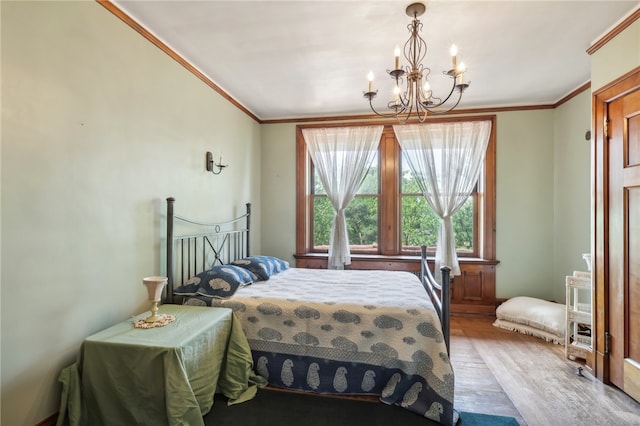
440	294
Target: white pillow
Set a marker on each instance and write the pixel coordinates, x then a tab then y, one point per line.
539	314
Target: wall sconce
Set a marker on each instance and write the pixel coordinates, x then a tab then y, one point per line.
212	164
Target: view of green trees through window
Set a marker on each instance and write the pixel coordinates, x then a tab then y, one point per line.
419	223
361	214
362	222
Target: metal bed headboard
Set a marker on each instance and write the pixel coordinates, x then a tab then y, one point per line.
440	294
205	245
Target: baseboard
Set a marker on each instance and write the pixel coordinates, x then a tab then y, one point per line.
457	308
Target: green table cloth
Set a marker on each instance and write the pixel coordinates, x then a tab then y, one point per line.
159	376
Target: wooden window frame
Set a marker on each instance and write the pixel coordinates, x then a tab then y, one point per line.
389	205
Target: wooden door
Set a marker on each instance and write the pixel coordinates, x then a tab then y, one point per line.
618	251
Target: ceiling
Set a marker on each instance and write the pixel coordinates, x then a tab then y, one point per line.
296	59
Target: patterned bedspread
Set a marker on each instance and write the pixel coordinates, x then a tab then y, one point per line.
348	332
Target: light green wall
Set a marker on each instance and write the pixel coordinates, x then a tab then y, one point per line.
619	56
572	190
98	128
279	186
279	190
524	212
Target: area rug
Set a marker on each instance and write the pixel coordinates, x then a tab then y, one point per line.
476	419
278	408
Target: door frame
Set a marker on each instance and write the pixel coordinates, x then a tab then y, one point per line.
600	219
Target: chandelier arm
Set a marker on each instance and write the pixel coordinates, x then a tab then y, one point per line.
397	75
383	115
442	102
422	112
436	112
404	115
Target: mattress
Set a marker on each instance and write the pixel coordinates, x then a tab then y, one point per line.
348	332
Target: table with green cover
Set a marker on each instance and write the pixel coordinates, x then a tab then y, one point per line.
159	376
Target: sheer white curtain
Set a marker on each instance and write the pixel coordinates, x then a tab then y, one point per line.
341	156
445	159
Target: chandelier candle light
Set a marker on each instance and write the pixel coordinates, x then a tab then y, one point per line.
418	96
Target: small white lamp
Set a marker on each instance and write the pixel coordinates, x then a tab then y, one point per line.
155	285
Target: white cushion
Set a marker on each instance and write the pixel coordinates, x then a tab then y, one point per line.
536	314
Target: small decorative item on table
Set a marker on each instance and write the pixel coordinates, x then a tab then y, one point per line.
154	285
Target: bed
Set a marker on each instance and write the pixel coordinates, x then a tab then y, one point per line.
382	333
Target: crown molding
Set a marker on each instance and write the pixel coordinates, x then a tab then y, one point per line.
617	29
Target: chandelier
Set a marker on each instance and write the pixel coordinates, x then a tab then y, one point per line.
417	97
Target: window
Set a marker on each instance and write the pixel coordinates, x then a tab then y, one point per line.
390	216
420	224
362	214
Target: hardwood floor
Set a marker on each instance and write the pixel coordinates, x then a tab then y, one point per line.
506	373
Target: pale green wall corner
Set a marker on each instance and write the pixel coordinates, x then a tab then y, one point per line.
98	128
572	190
524	214
279	190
